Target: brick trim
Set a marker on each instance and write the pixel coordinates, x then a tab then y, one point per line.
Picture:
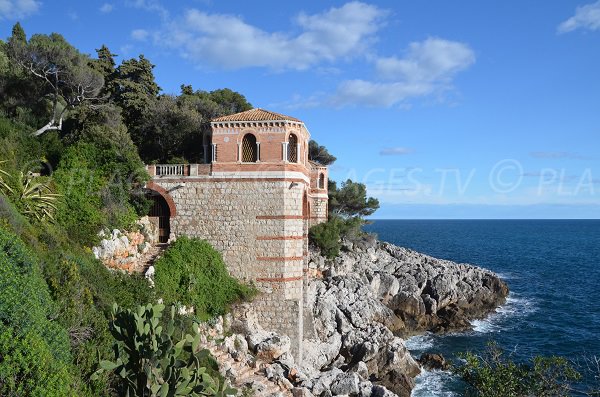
261	217
280	279
210	179
165	194
279	258
262	238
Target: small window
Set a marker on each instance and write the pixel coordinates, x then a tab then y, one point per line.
321	181
293	149
249	149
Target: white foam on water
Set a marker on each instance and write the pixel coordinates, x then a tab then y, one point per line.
432	384
419	342
496	321
507	276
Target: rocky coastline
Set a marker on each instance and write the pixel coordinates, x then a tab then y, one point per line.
358	309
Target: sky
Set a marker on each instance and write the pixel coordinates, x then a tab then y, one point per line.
467	109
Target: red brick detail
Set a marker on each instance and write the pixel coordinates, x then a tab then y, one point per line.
279	217
264	166
257	179
280	238
165	194
279	258
280	279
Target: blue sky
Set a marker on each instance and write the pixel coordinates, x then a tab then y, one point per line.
444	109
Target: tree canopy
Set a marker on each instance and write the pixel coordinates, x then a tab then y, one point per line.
351	200
65	73
319	154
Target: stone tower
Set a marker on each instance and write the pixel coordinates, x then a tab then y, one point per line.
254	201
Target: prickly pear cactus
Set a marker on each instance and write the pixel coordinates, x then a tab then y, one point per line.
149	363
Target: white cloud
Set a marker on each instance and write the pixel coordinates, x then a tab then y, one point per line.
395	151
106	8
17	9
139	34
427	68
586	17
228	42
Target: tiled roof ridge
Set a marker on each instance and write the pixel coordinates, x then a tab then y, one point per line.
256	114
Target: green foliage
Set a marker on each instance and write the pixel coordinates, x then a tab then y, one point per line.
63	71
327	236
3	175
32	195
149	362
319	154
166	130
351	200
192	272
135	90
28	368
96	181
34	351
493	374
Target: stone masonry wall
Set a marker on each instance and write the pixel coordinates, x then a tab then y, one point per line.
259	227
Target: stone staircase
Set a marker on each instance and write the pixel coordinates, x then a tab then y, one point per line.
148	258
246	376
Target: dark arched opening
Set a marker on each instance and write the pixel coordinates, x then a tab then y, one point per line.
293	149
160	215
321	181
249	149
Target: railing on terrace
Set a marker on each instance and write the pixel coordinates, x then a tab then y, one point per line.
172	170
178	170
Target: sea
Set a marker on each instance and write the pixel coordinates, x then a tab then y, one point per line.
552	268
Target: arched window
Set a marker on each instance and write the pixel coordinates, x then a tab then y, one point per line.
293	149
249	149
321	181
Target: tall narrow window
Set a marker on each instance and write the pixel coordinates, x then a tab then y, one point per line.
249	149
322	181
293	149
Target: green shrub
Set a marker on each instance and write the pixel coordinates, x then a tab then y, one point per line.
192	272
96	181
28	367
326	236
494	374
41	347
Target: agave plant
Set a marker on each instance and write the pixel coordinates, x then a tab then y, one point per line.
4	188
35	199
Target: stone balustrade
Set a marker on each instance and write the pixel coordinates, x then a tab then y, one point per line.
178	170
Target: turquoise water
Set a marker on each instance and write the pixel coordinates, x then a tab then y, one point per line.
552	268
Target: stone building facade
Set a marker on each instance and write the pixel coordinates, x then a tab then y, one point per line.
254	201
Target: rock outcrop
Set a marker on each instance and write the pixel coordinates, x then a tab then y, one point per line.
357	309
360	305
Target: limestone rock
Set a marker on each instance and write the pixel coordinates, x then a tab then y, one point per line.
347	384
433	361
373	291
272	347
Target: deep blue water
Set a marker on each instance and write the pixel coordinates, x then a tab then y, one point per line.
552	268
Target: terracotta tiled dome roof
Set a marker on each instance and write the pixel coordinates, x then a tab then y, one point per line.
257	114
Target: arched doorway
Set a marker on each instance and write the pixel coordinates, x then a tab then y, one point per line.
160	215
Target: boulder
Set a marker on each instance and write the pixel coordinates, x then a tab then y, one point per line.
347	384
433	361
273	347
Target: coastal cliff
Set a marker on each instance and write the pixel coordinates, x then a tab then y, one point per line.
358	307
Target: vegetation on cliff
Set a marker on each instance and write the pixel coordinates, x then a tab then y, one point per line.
73	139
191	272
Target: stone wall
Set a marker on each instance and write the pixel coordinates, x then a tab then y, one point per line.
260	228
